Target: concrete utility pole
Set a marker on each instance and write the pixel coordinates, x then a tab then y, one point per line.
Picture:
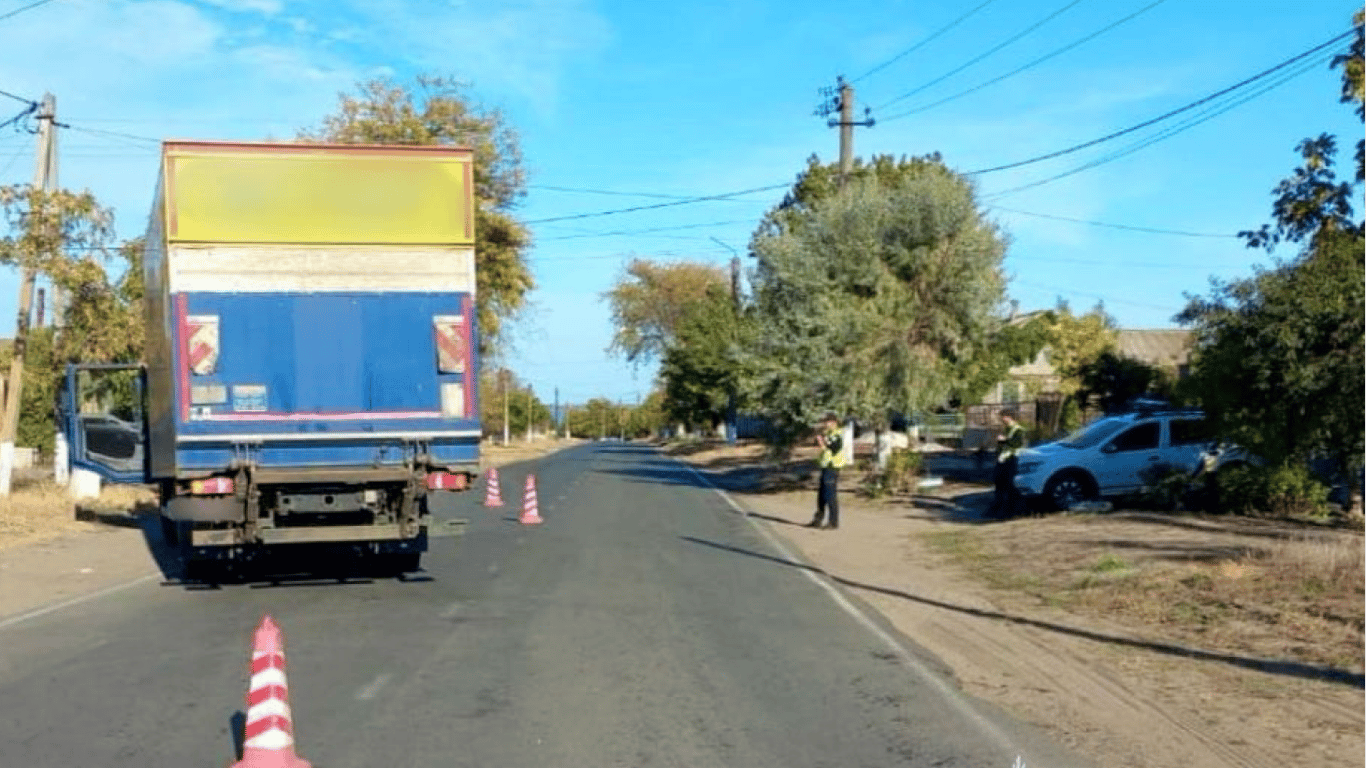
44	179
504	375
841	99
555	420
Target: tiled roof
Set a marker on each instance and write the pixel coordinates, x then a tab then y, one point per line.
1157	347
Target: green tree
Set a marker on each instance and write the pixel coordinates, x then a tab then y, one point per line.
102	322
439	110
1011	344
1113	381
701	367
1278	358
868	300
651	299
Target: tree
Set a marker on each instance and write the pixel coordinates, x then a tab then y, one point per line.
651	299
700	368
102	322
1011	344
868	300
438	110
1278	358
1114	381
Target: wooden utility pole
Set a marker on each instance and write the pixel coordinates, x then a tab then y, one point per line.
841	99
44	180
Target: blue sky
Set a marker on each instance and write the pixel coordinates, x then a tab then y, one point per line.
622	104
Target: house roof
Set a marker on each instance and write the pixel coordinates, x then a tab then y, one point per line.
1161	347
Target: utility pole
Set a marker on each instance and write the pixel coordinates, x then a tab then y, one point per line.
504	374
44	180
555	420
528	413
841	99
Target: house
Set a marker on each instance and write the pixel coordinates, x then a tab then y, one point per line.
1160	348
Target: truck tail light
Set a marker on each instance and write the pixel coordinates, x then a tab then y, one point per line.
447	481
212	486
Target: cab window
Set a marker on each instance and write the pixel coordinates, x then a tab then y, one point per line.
1190	431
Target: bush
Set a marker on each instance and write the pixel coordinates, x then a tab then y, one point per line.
900	476
1166	488
1287	490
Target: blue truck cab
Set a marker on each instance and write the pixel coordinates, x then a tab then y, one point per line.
311	370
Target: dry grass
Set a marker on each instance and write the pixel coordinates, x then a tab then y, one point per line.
1290	595
42	510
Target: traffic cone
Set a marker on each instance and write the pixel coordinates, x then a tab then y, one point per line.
494	497
530	514
269	737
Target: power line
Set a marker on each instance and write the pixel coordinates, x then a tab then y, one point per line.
19	99
650	230
685	201
1165	134
28	7
932	36
1167	115
1030	65
1128	227
30	110
989	52
115	134
1109	299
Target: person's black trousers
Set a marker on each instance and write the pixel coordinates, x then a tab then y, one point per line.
1007	501
828	496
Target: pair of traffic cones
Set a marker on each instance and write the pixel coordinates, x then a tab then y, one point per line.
531	514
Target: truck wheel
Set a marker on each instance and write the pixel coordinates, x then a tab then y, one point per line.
1067	488
404	562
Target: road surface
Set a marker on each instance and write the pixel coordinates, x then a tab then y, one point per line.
645	623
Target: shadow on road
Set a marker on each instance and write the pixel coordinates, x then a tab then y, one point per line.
237	726
1268	666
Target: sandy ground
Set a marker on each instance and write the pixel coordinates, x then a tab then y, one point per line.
1122	692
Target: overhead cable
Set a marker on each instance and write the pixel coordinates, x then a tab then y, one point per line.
932	36
685	201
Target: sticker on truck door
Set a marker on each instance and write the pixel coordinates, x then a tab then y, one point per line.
451	349
201	343
250	398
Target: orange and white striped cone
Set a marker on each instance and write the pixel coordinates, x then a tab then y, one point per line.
269	736
530	514
494	496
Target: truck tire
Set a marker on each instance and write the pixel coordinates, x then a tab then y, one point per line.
1067	488
404	562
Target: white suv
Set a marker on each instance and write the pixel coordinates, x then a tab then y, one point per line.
1111	456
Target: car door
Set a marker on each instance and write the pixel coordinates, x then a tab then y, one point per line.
1188	437
1128	456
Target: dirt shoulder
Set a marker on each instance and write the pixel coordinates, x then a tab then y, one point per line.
1138	639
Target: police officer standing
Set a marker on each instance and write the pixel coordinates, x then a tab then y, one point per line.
831	442
1007	501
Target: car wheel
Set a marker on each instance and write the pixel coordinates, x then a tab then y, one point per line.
1068	488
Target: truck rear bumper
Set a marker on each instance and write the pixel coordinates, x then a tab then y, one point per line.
234	537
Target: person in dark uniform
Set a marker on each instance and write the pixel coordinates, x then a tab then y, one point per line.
831	442
1007	501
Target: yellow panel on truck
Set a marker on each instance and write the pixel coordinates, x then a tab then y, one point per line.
317	194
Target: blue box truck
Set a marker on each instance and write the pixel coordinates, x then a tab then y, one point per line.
310	373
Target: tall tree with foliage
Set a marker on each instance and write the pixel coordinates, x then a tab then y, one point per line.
102	319
437	111
701	367
864	298
1011	344
1279	356
651	299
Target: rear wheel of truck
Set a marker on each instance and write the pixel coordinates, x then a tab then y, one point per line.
403	562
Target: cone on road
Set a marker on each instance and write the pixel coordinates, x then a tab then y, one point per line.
494	496
530	514
269	737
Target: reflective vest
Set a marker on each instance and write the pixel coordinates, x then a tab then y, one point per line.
1015	440
832	455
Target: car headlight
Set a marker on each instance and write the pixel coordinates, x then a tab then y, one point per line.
1028	467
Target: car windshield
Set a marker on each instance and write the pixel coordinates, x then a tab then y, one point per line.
1093	433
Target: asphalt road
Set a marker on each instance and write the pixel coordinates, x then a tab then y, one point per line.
646	623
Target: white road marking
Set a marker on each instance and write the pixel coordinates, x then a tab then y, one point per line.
951	694
450	611
372	690
23	617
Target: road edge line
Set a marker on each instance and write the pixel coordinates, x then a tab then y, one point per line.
951	693
20	618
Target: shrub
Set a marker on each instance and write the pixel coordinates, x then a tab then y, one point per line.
1165	488
1287	490
900	476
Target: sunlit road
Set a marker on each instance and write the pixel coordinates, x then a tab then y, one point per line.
646	623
